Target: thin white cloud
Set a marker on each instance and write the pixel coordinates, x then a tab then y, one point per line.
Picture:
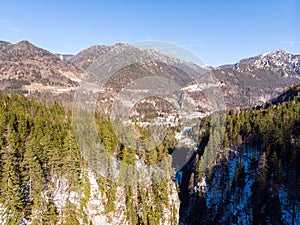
291	44
4	24
13	29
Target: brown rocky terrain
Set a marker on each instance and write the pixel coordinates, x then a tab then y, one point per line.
26	67
253	81
256	80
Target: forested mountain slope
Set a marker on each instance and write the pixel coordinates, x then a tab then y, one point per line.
256	177
45	180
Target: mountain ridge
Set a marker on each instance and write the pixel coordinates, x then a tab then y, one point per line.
249	82
23	65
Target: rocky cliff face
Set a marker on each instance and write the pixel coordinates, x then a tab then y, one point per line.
95	207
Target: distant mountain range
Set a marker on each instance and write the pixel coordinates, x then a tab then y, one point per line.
252	81
258	79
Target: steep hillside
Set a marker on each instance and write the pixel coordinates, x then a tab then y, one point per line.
3	45
87	56
255	178
24	66
288	95
45	179
256	80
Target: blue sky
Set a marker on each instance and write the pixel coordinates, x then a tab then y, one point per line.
219	32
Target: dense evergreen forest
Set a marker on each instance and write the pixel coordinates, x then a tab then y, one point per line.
255	178
37	145
38	150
